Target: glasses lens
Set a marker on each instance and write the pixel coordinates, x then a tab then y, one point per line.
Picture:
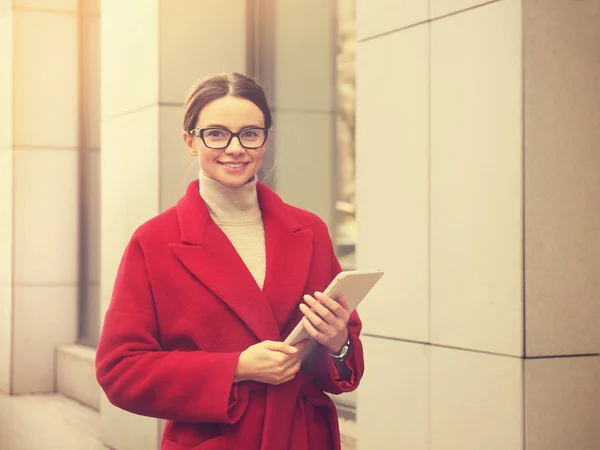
216	137
253	137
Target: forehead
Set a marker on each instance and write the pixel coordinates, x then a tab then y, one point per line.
231	112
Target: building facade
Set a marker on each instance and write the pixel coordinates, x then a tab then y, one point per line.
473	185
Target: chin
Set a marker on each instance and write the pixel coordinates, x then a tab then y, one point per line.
235	180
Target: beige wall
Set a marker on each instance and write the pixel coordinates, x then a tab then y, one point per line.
562	224
483	225
146	74
303	104
6	197
39	196
89	182
562	177
477	173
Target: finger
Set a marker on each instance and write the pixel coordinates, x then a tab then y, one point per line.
303	346
290	363
280	347
336	308
313	317
312	331
304	352
296	367
325	314
342	301
289	374
283	360
286	379
293	370
277	380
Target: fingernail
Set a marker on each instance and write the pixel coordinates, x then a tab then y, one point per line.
294	349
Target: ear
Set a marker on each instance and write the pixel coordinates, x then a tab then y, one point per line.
189	143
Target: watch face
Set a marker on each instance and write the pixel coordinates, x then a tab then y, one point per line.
343	351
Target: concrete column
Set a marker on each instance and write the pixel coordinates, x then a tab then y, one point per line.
304	104
39	169
89	271
147	71
562	224
477	166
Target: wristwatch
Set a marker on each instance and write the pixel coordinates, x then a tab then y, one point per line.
344	352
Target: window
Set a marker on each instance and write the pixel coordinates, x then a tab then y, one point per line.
345	218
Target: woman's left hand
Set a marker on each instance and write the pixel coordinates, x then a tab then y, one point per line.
326	320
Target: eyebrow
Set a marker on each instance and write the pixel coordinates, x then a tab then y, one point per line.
216	125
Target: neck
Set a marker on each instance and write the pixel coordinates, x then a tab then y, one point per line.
230	205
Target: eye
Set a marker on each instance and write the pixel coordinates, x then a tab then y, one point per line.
215	133
253	133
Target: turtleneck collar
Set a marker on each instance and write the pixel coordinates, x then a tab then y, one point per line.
230	205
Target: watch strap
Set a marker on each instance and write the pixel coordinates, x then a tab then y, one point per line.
344	352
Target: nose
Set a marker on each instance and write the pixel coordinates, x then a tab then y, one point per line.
235	147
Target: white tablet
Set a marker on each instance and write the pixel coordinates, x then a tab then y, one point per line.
352	285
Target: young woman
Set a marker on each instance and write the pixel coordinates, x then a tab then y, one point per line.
207	291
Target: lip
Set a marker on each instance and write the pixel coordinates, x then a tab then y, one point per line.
234	162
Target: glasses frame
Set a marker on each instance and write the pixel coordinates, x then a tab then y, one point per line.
199	132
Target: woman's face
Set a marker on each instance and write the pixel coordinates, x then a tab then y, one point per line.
234	165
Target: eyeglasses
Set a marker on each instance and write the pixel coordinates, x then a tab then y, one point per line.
220	138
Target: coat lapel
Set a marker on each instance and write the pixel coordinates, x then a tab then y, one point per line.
289	254
209	255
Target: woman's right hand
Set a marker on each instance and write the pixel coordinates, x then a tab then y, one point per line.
270	362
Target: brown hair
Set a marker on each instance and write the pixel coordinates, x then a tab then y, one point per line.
221	85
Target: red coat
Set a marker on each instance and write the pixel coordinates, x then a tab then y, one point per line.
185	306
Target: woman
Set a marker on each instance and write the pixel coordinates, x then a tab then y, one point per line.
207	291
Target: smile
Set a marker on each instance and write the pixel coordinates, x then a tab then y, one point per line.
233	165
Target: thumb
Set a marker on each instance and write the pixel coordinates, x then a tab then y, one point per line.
281	347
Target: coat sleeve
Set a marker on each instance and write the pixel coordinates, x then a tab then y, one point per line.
323	365
138	376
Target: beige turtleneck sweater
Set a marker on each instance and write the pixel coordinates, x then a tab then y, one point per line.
237	212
